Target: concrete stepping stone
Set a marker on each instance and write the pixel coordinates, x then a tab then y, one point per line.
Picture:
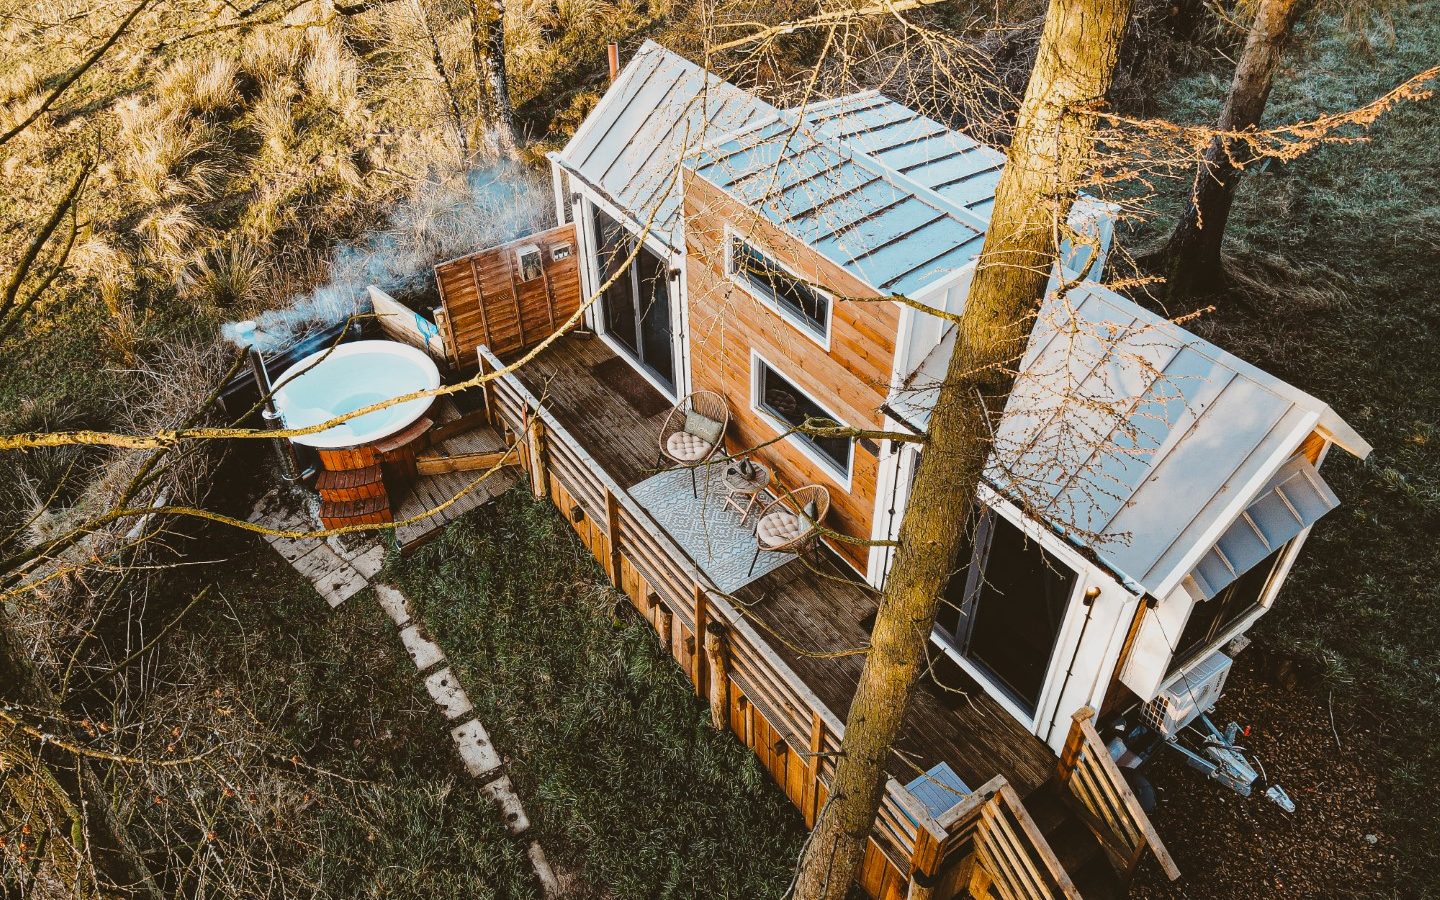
421	648
502	793
340	586
445	689
370	562
393	602
543	873
476	751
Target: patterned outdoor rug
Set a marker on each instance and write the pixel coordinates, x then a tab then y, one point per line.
707	528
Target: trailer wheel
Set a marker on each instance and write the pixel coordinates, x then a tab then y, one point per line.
1143	789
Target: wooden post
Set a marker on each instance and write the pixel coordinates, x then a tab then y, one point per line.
487	391
980	880
922	887
663	625
539	478
716	654
612	528
812	783
697	659
1074	745
612	53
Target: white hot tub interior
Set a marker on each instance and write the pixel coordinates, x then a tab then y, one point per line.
331	383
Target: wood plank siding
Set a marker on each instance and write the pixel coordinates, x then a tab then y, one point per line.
488	301
850	379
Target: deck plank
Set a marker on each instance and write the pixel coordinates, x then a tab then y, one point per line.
430	491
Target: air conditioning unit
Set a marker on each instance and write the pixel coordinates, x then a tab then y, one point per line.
1189	694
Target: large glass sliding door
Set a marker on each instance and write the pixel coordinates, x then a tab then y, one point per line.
1003	610
635	308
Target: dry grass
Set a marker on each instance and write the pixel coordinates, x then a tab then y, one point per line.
203	85
225	278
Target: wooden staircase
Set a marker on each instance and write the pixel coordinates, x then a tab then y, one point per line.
1087	823
1078	850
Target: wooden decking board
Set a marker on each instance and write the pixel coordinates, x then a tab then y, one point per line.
430	491
798	610
619	438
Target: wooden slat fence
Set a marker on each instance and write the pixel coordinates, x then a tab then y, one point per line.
769	707
487	300
1107	805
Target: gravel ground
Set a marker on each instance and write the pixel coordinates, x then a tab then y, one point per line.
1229	846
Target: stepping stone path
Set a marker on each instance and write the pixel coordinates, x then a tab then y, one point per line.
340	567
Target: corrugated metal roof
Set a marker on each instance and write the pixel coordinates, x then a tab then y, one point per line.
821	175
1132	436
660	107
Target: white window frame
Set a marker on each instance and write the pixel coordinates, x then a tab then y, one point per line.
1065	638
821	461
678	344
804	326
1264	602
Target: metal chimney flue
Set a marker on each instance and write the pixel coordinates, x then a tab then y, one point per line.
246	332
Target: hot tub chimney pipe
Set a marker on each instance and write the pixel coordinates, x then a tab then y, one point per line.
284	451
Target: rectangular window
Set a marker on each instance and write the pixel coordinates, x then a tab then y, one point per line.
1004	608
1210	619
776	395
797	301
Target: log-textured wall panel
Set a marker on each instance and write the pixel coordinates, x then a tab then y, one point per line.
727	323
487	300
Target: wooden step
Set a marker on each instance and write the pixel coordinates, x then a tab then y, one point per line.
365	511
412	433
351	484
1049	806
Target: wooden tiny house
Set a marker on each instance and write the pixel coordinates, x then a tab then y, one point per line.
1147	495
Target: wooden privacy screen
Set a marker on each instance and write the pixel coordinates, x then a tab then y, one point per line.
509	297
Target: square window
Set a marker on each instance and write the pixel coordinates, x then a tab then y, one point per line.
791	296
776	395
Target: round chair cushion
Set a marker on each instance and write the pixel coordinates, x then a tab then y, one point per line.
686	447
780	527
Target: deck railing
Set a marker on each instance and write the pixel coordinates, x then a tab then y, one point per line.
761	699
1108	807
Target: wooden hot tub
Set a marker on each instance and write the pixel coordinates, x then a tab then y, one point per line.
368	461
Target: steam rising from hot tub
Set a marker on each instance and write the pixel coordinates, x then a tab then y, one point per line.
441	219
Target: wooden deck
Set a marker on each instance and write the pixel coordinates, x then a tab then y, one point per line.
622	440
805	608
434	491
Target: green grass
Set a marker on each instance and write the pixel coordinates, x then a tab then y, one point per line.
1358	223
610	750
395	816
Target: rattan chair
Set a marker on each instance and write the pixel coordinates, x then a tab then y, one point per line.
784	527
685	449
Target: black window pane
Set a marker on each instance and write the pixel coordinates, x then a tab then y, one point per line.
791	294
1212	618
1020	607
783	400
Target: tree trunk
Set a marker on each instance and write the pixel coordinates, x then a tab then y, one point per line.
487	39
1191	258
437	59
1050	151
